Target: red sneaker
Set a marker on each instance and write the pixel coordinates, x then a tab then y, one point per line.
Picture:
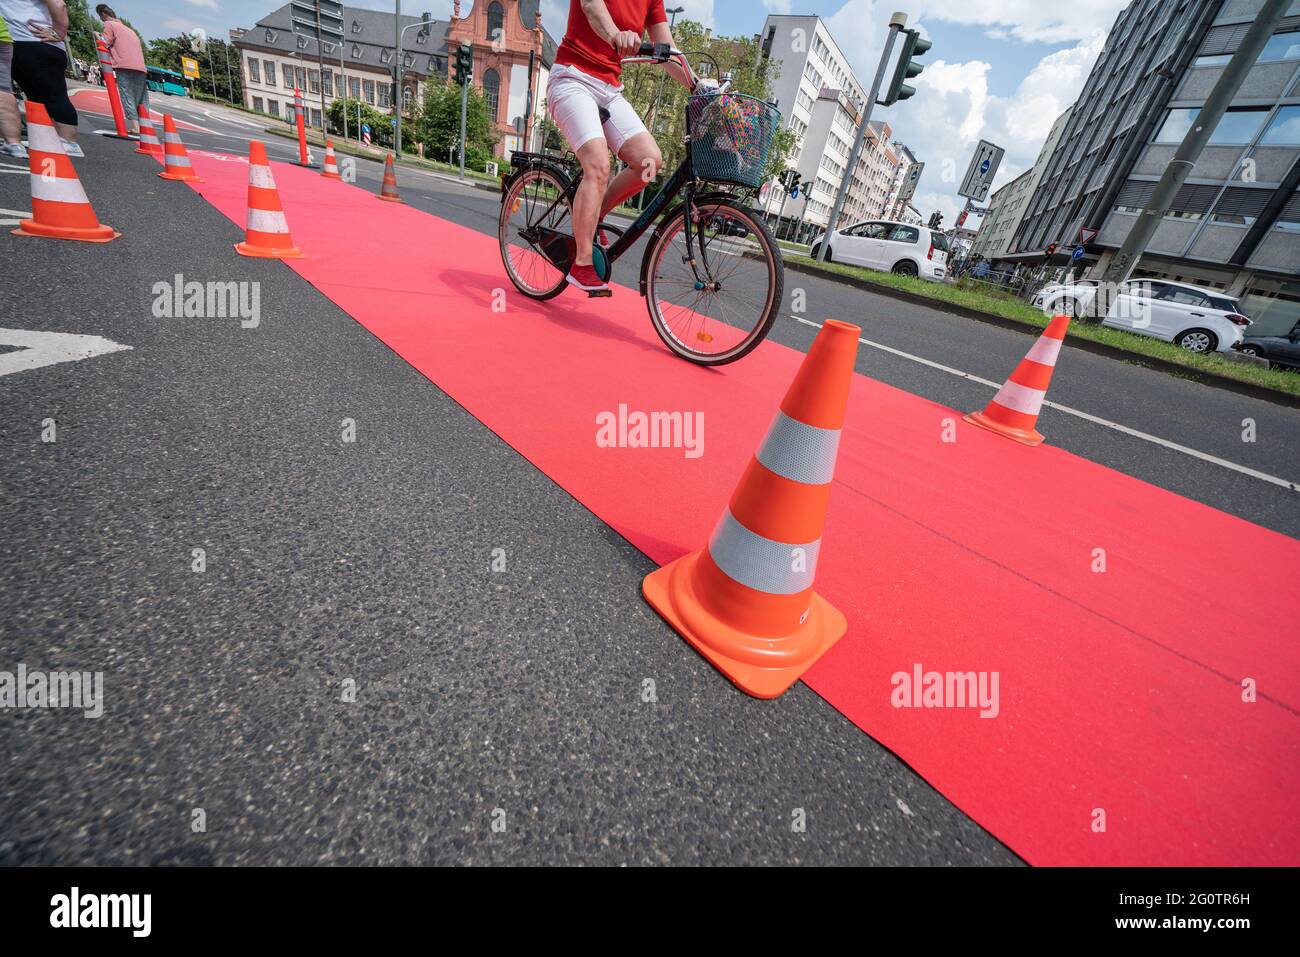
588	280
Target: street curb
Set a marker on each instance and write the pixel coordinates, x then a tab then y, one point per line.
492	187
1213	379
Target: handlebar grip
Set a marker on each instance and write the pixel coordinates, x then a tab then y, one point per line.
647	49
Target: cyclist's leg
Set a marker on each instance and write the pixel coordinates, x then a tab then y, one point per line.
576	111
631	142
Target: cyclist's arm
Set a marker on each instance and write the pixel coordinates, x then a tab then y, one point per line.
661	33
624	42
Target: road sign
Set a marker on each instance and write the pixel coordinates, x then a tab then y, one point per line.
983	168
365	133
302	14
908	189
190	67
1077	254
1086	235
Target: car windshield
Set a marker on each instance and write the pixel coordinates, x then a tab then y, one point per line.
939	240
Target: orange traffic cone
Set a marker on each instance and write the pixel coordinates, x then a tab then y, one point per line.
331	170
174	155
1014	410
60	209
148	135
267	232
388	190
746	600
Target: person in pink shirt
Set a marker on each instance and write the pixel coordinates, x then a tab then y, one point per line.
127	56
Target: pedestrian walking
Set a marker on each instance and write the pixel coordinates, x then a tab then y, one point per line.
10	124
40	60
127	56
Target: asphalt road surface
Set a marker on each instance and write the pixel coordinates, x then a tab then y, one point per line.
512	697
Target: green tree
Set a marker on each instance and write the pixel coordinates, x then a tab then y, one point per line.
381	127
166	52
438	125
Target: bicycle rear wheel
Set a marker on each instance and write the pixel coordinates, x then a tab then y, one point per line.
537	198
724	313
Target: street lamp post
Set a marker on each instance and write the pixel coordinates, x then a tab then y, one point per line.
422	24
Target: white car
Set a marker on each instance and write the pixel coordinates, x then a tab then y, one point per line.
890	247
1199	320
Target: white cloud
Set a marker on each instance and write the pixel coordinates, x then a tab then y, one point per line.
209	4
777	6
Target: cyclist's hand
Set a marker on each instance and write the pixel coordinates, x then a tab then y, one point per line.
626	43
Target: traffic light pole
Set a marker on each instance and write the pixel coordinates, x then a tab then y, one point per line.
464	104
1189	151
896	23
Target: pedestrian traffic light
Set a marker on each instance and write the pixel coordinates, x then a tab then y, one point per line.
1051	250
464	64
790	181
936	220
913	45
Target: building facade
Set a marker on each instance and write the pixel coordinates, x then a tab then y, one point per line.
821	101
512	57
1007	208
1235	224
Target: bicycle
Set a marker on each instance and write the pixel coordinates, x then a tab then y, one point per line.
712	292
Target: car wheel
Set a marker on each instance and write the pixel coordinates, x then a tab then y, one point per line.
905	267
1250	350
816	251
1200	341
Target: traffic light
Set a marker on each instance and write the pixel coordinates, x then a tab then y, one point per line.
464	64
426	21
913	45
790	181
936	220
1050	251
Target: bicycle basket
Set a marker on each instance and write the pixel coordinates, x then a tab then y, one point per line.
731	135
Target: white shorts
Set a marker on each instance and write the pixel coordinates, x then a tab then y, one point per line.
574	100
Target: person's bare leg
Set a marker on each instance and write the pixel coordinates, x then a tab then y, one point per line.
594	157
67	132
10	125
643	159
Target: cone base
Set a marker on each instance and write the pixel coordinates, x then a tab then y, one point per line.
389	199
274	252
670	591
190	178
1023	436
150	152
307	165
97	234
331	175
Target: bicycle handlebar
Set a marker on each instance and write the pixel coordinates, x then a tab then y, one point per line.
662	53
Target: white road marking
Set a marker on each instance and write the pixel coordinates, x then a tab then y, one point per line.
12	217
1096	420
48	348
5	168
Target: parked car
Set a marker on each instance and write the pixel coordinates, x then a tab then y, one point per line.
890	247
1199	320
1278	350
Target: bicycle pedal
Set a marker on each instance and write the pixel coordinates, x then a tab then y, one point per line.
600	293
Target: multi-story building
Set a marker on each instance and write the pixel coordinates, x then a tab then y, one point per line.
897	202
821	101
877	172
512	56
1007	205
1235	224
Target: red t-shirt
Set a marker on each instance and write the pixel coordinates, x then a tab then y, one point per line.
583	48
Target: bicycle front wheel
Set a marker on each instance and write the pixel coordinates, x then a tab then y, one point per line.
719	310
535	199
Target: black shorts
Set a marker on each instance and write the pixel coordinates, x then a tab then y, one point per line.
38	69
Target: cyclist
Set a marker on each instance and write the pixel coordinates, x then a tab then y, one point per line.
583	83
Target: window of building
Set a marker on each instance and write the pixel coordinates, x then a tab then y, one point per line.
302	77
495	21
356	26
270	72
1238	127
810	73
354	87
1281	46
273	107
1217	60
328	78
369	86
301	42
383	95
385	56
407	95
1284	130
356	51
254	73
315	117
313	80
258	105
492	93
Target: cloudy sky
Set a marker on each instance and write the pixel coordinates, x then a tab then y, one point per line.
1000	70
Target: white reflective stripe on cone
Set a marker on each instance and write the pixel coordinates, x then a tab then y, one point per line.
55	189
799	452
43	138
171	137
267	221
1045	350
1020	398
760	563
174	160
260	176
